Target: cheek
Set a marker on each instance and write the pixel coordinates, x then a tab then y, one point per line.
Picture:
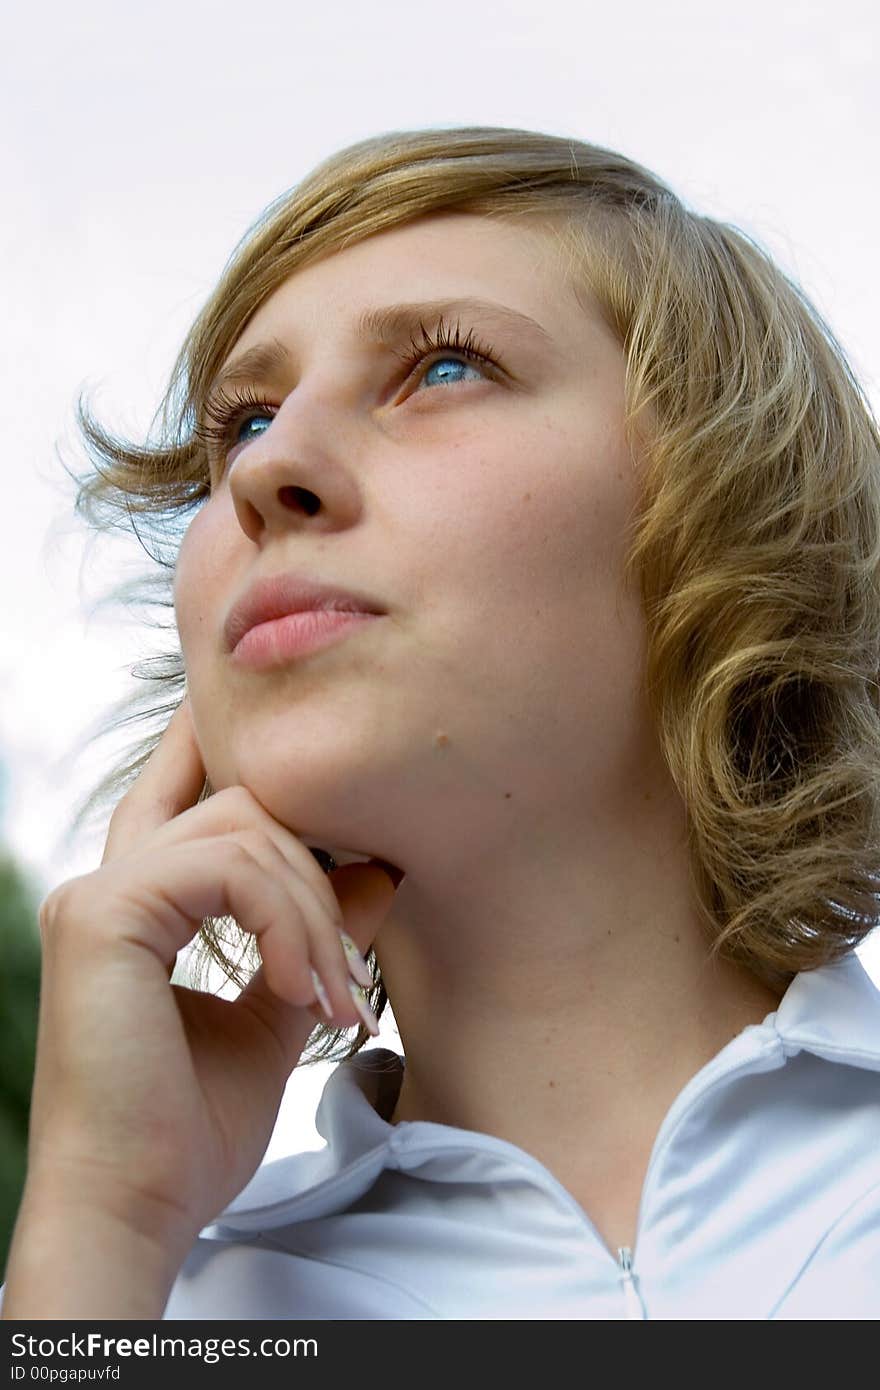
199	583
547	516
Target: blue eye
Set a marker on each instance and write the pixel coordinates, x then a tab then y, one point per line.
446	345
249	420
444	362
225	418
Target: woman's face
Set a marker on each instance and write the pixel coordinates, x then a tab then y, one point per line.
482	506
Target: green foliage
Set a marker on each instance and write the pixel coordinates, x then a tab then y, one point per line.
19	1000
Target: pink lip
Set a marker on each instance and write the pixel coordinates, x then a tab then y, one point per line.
279	641
282	595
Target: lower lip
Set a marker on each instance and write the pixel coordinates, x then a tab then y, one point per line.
277	642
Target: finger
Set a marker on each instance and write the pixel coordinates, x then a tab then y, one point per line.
290	939
236	808
170	781
295	936
305	937
204	878
365	892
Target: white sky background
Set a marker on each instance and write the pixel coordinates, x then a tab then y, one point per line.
142	141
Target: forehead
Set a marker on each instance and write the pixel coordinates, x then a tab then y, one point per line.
443	256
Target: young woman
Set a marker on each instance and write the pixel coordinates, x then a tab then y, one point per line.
530	588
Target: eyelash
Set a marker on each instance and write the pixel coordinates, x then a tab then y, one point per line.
226	412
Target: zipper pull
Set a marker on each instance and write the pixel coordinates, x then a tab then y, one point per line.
634	1306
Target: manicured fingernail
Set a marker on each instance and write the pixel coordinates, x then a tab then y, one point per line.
363	1008
356	963
322	995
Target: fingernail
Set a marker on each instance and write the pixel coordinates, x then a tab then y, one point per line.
363	1008
322	995
356	963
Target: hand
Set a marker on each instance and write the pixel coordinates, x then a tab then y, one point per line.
152	1101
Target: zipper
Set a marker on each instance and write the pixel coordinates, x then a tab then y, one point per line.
635	1308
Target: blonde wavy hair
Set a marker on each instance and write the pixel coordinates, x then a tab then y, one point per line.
756	541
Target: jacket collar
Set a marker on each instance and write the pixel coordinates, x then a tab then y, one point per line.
832	1011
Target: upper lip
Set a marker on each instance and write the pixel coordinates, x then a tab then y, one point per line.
278	595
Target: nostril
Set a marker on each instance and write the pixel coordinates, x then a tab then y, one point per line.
302	497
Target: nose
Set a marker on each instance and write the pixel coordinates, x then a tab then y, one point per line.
293	472
266	500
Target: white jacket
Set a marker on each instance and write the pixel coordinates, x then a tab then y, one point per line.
761	1199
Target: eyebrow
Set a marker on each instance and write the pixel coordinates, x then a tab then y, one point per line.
387	324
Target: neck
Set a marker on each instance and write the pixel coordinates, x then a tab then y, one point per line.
561	1004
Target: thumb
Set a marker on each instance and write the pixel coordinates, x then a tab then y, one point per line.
365	893
396	875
